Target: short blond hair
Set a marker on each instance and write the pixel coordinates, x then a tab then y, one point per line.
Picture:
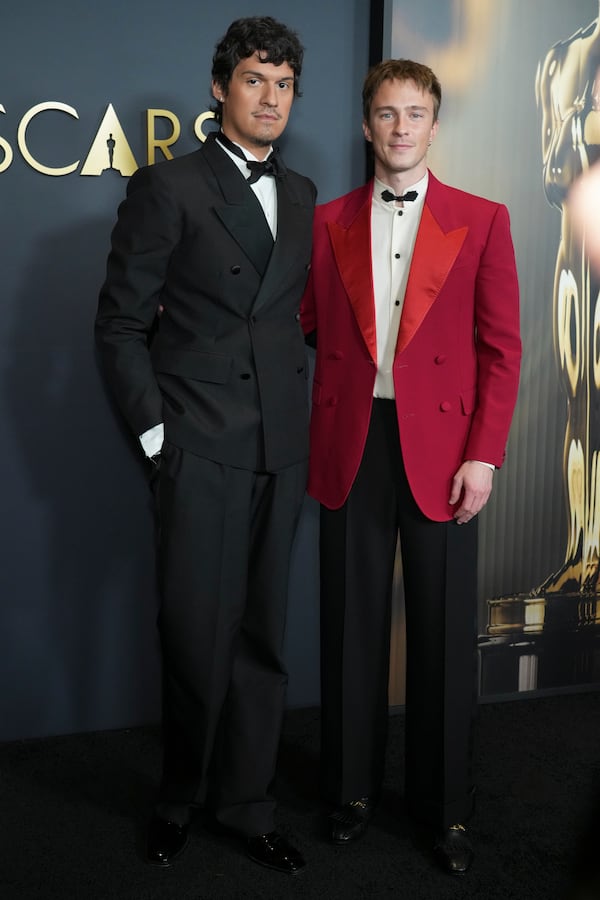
401	70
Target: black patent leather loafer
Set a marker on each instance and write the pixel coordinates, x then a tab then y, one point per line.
454	851
274	852
350	821
166	840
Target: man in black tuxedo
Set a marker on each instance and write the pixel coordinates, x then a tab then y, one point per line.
219	243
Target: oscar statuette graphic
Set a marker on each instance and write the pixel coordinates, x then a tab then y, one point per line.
551	636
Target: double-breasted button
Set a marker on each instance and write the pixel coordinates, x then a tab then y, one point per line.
445	406
336	354
333	401
235	270
441	359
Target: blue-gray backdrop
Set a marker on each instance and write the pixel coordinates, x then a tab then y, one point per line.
78	648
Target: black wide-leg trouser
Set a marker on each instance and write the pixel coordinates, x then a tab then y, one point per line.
225	541
439	559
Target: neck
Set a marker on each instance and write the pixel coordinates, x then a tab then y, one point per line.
259	151
399	182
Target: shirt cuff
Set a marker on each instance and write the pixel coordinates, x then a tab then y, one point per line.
152	440
481	463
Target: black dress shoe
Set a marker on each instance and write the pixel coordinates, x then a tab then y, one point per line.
273	851
454	851
166	840
350	821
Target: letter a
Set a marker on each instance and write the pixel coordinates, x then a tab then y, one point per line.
110	150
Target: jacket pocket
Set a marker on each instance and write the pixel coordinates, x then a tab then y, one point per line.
193	364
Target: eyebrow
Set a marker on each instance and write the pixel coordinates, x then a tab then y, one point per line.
413	106
262	75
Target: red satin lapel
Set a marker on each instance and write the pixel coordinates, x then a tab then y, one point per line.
434	255
352	249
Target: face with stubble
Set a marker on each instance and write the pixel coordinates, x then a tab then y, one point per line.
256	104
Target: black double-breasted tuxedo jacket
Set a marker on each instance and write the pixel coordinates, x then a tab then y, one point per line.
226	368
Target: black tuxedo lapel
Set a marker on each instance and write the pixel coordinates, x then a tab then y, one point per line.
241	213
294	219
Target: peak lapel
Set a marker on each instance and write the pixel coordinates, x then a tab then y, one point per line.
241	213
294	223
352	250
434	255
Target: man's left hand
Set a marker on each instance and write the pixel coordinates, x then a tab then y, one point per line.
472	485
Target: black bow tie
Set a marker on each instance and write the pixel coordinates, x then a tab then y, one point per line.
388	196
272	165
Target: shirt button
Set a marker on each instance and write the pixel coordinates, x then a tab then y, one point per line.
397	303
397	255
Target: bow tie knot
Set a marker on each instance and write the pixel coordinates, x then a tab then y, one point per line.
272	165
269	166
388	196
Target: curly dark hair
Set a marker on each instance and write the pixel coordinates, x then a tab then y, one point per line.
274	42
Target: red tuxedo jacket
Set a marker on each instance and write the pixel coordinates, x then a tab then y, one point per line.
456	366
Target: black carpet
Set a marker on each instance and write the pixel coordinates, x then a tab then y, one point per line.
74	811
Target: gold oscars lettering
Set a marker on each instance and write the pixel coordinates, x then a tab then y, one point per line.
110	150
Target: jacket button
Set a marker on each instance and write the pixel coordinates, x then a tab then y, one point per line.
440	360
333	401
245	376
235	270
337	354
445	406
297	317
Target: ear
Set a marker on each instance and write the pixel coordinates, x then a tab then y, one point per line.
217	91
367	131
434	131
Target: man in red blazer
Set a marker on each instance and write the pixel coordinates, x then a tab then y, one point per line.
413	296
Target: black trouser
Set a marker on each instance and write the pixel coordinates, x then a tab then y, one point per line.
358	544
225	544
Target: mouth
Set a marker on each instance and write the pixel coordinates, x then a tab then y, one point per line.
267	117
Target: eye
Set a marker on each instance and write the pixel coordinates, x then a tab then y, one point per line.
284	85
386	115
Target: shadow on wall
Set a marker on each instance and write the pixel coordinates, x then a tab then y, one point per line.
79	641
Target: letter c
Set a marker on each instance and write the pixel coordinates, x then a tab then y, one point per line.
21	138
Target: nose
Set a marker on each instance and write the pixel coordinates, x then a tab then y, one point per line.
269	94
401	124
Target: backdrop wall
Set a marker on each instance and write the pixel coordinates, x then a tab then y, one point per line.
78	646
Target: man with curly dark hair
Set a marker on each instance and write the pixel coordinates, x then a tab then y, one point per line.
219	243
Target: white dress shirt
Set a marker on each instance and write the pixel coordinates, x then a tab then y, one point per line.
394	227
